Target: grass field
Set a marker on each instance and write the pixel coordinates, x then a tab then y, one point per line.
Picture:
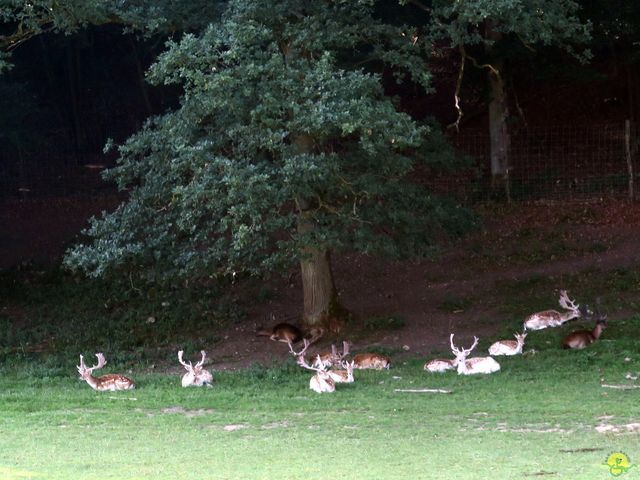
544	415
536	417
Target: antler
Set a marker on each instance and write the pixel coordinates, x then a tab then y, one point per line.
566	303
201	362
302	362
345	349
454	349
301	353
188	366
101	363
475	342
466	351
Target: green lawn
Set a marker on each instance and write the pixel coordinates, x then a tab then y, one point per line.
536	417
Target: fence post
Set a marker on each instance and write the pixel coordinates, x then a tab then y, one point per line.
627	149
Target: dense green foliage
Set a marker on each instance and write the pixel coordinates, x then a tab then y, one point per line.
275	125
532	22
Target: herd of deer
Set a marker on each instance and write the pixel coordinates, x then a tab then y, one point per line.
537	321
331	367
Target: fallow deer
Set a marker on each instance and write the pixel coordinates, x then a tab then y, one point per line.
288	333
440	365
583	338
332	358
473	365
374	361
321	382
196	376
553	318
343	376
509	347
109	382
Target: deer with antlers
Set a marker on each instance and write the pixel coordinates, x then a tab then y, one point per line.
473	365
321	382
196	375
332	358
509	347
553	318
109	382
343	376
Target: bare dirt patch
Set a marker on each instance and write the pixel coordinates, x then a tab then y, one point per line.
433	298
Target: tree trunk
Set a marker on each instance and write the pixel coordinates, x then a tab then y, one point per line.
498	115
321	305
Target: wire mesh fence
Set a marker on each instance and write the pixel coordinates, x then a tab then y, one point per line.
546	162
551	162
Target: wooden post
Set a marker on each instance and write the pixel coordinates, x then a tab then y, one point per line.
627	148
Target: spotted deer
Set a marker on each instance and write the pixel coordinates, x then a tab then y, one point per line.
332	358
440	365
509	347
343	376
473	365
374	361
321	382
196	375
553	318
109	382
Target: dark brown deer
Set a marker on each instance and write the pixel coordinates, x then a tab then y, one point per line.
583	338
288	333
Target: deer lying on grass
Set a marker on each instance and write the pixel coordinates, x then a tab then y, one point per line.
287	333
473	365
509	347
553	318
196	376
343	376
374	361
321	382
440	365
583	338
109	382
332	358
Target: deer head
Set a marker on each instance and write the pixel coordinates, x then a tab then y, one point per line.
196	375
86	372
462	354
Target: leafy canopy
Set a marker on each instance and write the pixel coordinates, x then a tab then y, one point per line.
275	129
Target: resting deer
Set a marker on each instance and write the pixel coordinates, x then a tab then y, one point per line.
332	358
583	338
343	376
553	318
440	365
374	361
196	376
287	333
321	382
109	382
509	347
473	365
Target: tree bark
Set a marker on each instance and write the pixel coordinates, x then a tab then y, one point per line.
498	115
321	305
